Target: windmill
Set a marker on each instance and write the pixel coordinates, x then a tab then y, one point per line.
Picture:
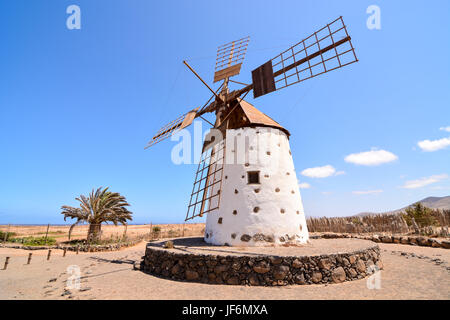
246	181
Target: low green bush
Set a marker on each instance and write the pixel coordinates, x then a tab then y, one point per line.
35	241
8	235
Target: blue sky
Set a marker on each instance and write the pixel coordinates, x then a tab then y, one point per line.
77	107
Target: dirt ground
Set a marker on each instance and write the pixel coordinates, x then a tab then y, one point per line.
410	272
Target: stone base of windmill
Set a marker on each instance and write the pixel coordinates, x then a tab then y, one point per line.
319	261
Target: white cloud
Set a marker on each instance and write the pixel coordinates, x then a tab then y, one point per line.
371	158
326	193
434	145
367	192
339	173
304	185
445	129
422	182
319	172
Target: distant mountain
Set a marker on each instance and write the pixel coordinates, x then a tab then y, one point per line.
437	202
430	202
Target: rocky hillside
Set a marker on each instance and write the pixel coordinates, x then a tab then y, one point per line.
437	202
430	202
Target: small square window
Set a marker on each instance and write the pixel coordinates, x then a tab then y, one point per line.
253	177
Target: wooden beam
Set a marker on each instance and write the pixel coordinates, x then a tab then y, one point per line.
196	74
312	56
299	62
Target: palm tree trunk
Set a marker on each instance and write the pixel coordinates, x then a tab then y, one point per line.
94	233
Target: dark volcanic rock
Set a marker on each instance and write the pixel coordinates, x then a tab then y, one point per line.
260	270
280	272
338	275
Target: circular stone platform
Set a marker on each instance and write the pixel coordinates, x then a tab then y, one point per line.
319	261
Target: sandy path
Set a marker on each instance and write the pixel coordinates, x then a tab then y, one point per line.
410	272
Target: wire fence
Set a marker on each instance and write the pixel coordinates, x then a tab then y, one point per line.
57	234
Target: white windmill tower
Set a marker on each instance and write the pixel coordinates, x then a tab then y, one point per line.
246	181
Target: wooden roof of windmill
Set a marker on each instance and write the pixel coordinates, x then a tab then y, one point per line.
247	115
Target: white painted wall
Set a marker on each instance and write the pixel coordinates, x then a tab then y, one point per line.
265	150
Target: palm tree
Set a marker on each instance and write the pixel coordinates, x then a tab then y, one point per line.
100	206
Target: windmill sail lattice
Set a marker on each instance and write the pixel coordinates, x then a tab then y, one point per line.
207	187
325	50
229	58
179	123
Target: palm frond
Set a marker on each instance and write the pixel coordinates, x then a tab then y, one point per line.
99	206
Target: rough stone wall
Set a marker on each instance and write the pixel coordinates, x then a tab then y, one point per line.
400	239
262	270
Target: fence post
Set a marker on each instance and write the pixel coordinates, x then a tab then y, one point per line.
46	233
29	258
6	263
151	231
49	253
6	233
65	250
125	232
183	228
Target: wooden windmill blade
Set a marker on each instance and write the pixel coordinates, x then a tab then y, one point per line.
206	191
184	120
327	49
229	59
178	124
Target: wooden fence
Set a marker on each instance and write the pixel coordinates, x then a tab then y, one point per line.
385	223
